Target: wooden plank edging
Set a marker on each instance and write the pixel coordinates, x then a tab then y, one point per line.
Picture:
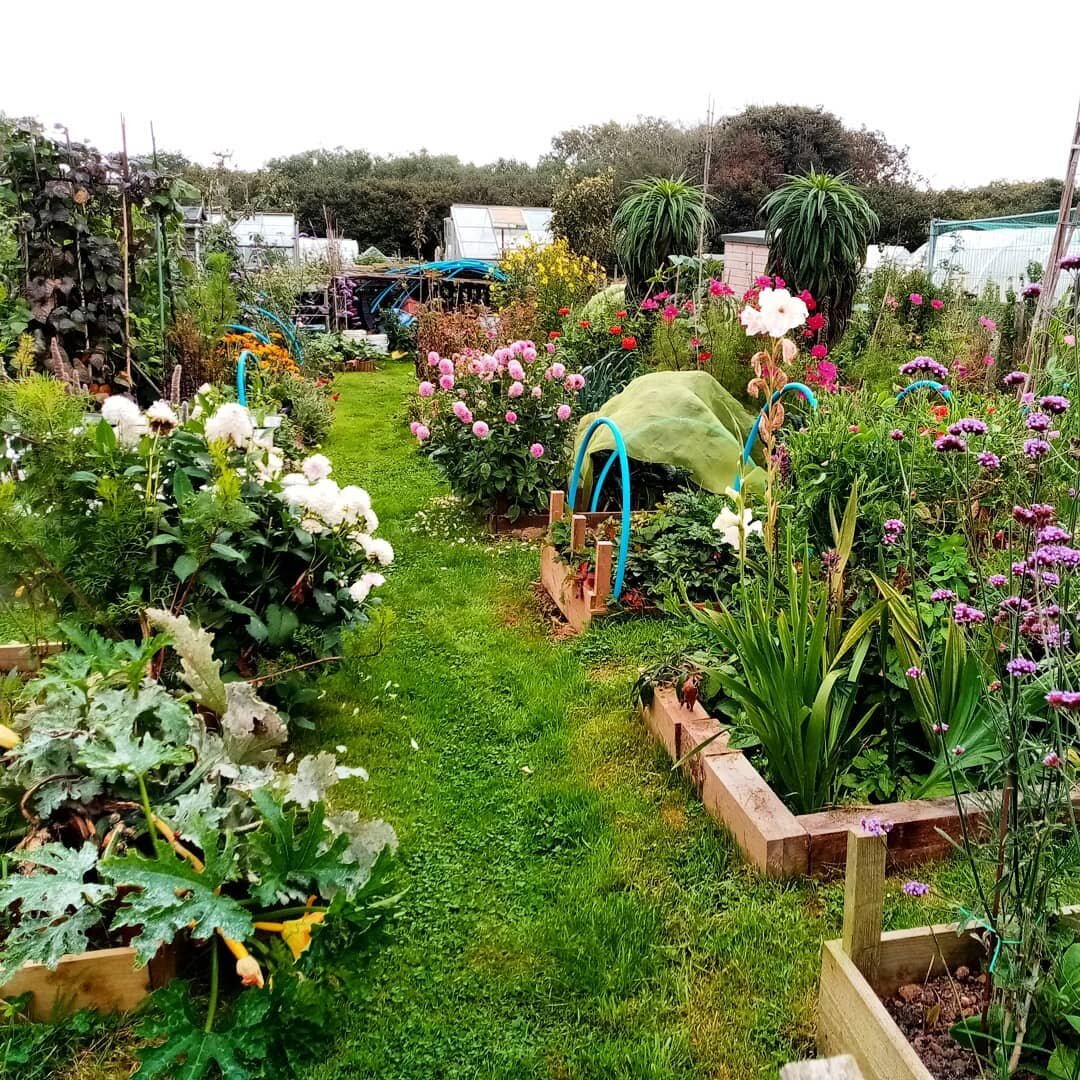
779	843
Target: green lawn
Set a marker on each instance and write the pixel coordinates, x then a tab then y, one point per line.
571	910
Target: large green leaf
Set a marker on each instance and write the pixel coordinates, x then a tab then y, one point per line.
235	1048
169	895
294	860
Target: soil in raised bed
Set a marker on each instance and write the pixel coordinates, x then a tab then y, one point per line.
925	1013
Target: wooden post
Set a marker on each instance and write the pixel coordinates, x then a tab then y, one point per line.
577	533
603	570
864	901
837	1068
556	506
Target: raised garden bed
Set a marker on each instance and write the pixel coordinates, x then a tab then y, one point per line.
18	656
772	838
364	363
866	965
580	598
105	980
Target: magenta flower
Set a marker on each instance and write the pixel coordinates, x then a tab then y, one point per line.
916	888
648	304
942	594
1064	699
446	367
563	412
481	430
1054	403
937	305
670	313
557	371
988	460
422	433
896	435
515	390
1037	421
515	370
461	411
915	299
1036	448
997	580
446	382
987	324
511	417
939	729
1015	378
550	346
914	672
1032	291
1052	760
537	450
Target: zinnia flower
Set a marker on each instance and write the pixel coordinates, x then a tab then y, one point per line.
915	299
819	352
937	305
629	342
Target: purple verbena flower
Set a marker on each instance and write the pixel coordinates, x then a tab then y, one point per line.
1054	403
966	615
1015	378
949	442
968	425
996	580
1070	262
1036	448
914	672
1020	666
1053	534
1032	291
988	460
942	594
1037	421
916	888
1064	699
896	435
925	365
875	826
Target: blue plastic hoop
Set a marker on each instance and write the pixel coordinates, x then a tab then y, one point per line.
925	384
752	438
624	463
286	329
241	376
240	328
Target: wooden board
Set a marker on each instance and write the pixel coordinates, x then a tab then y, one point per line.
837	1068
851	1016
558	580
106	980
18	656
768	833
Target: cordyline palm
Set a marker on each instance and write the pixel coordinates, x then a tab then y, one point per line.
660	217
818	227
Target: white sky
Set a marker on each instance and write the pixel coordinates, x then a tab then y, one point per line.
977	89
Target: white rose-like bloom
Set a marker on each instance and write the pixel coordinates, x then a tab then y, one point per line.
380	551
232	424
374	580
294	479
780	311
359	590
354	502
732	526
268	466
752	321
120	411
371	520
161	418
316	467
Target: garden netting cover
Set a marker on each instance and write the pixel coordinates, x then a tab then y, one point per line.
681	418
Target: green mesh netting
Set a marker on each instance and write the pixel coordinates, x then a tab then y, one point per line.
681	418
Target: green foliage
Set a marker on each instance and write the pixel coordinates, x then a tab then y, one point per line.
583	207
658	218
307	407
818	227
795	690
237	1048
211	299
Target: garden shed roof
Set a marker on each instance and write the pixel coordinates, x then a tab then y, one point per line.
752	236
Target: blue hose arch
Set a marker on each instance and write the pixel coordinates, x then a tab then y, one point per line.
241	375
286	329
752	438
241	329
926	384
624	464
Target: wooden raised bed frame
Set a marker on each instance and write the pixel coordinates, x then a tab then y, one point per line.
772	838
578	604
18	656
106	980
866	965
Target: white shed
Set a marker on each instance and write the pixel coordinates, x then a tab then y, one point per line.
746	254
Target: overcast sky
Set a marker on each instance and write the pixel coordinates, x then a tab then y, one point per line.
977	89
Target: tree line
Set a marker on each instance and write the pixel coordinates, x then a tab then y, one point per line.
398	203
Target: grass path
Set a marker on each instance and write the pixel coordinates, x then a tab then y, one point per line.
571	911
